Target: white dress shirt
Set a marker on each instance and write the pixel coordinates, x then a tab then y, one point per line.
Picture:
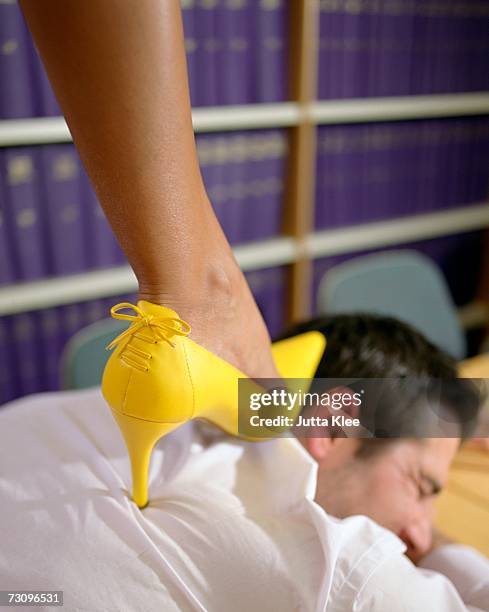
231	526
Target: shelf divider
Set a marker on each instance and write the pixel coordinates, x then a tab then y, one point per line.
300	185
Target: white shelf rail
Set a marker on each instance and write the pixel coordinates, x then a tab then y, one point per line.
397	231
45	130
248	117
47	293
23	297
399	108
35	131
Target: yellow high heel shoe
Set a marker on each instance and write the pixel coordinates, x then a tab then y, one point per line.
157	378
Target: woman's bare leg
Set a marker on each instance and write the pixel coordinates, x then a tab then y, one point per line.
119	72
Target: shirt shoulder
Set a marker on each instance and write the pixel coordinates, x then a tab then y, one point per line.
361	549
397	585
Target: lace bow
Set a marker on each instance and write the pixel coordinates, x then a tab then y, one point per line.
162	328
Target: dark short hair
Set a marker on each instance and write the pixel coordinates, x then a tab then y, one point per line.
370	346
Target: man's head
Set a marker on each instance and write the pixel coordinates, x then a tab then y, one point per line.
390	479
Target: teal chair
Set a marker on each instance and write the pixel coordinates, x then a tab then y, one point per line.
401	284
84	356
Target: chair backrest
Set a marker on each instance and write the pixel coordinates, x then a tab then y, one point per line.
401	284
84	356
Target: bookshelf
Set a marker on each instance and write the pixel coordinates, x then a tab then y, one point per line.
300	244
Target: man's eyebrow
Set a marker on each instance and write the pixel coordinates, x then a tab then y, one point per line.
436	486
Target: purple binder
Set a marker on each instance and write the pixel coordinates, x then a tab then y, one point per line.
350	145
20	176
269	290
236	176
277	278
464	44
191	48
94	311
423	44
46	102
371	199
212	156
264	185
395	56
72	319
445	52
17	98
481	154
406	168
49	321
331	52
330	150
477	158
8	370
7	272
271	27
27	352
360	50
427	165
63	204
208	42
234	55
482	58
463	142
318	198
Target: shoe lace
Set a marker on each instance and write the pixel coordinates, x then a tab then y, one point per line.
162	328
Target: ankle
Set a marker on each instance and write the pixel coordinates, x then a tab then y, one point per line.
213	286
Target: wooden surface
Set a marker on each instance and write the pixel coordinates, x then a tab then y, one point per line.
463	508
476	367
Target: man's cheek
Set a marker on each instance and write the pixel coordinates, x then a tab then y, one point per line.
429	508
391	508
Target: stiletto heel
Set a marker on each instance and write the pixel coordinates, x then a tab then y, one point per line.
157	378
140	437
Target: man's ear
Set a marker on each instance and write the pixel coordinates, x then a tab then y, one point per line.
345	401
318	448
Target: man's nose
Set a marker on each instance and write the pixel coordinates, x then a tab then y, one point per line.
417	536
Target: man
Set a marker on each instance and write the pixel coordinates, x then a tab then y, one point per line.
235	525
391	479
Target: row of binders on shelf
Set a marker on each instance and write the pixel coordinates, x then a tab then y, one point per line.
31	343
374	48
379	171
51	223
238	52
